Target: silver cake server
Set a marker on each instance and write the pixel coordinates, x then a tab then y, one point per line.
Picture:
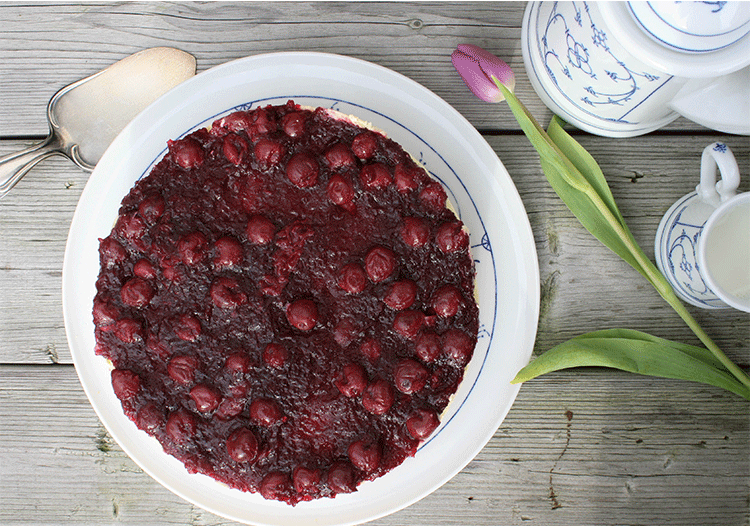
86	116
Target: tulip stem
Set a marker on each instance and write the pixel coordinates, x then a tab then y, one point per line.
572	176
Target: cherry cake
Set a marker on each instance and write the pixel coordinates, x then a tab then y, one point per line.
287	302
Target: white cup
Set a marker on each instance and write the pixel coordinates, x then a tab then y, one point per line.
724	252
703	241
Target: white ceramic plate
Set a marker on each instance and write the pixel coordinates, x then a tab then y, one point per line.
451	149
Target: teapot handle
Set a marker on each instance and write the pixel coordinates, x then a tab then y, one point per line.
718	155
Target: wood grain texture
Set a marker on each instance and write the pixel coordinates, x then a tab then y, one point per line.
35	217
45	46
590	447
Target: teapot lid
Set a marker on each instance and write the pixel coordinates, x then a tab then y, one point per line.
693	27
691	56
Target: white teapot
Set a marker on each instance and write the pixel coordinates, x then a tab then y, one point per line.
621	69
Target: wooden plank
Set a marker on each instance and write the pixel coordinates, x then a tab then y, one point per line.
585	286
45	46
35	217
586	448
34	222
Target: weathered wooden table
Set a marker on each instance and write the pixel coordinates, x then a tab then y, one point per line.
584	447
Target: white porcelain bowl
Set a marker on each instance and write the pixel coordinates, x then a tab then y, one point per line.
624	28
584	75
693	27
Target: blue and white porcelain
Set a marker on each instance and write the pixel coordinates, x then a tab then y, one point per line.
596	67
693	27
679	234
617	17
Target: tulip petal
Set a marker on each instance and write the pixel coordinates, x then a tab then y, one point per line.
479	84
490	64
479	69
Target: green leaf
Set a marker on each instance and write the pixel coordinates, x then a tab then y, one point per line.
578	181
699	353
595	207
636	353
584	162
588	214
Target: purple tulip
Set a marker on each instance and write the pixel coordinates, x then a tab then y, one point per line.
482	71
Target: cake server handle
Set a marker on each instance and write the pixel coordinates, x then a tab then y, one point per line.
14	166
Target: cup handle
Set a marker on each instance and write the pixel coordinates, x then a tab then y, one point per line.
718	155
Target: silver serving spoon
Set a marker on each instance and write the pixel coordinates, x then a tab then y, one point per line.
86	116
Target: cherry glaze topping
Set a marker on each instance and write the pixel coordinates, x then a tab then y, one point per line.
265	412
276	486
451	237
237	363
275	355
339	156
401	294
152	208
205	397
428	346
192	248
144	269
268	152
149	418
128	330
242	445
365	455
302	314
447	301
415	231
352	278
306	481
228	252
380	262
341	477
136	292
260	230
410	376
302	170
186	152
375	175
378	397
352	381
105	314
181	426
364	145
340	191
181	369
287	303
371	348
422	423
125	383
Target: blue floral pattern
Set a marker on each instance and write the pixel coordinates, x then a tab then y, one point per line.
613	84
587	76
717	6
676	256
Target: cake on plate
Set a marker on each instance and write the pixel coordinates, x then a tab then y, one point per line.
287	302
